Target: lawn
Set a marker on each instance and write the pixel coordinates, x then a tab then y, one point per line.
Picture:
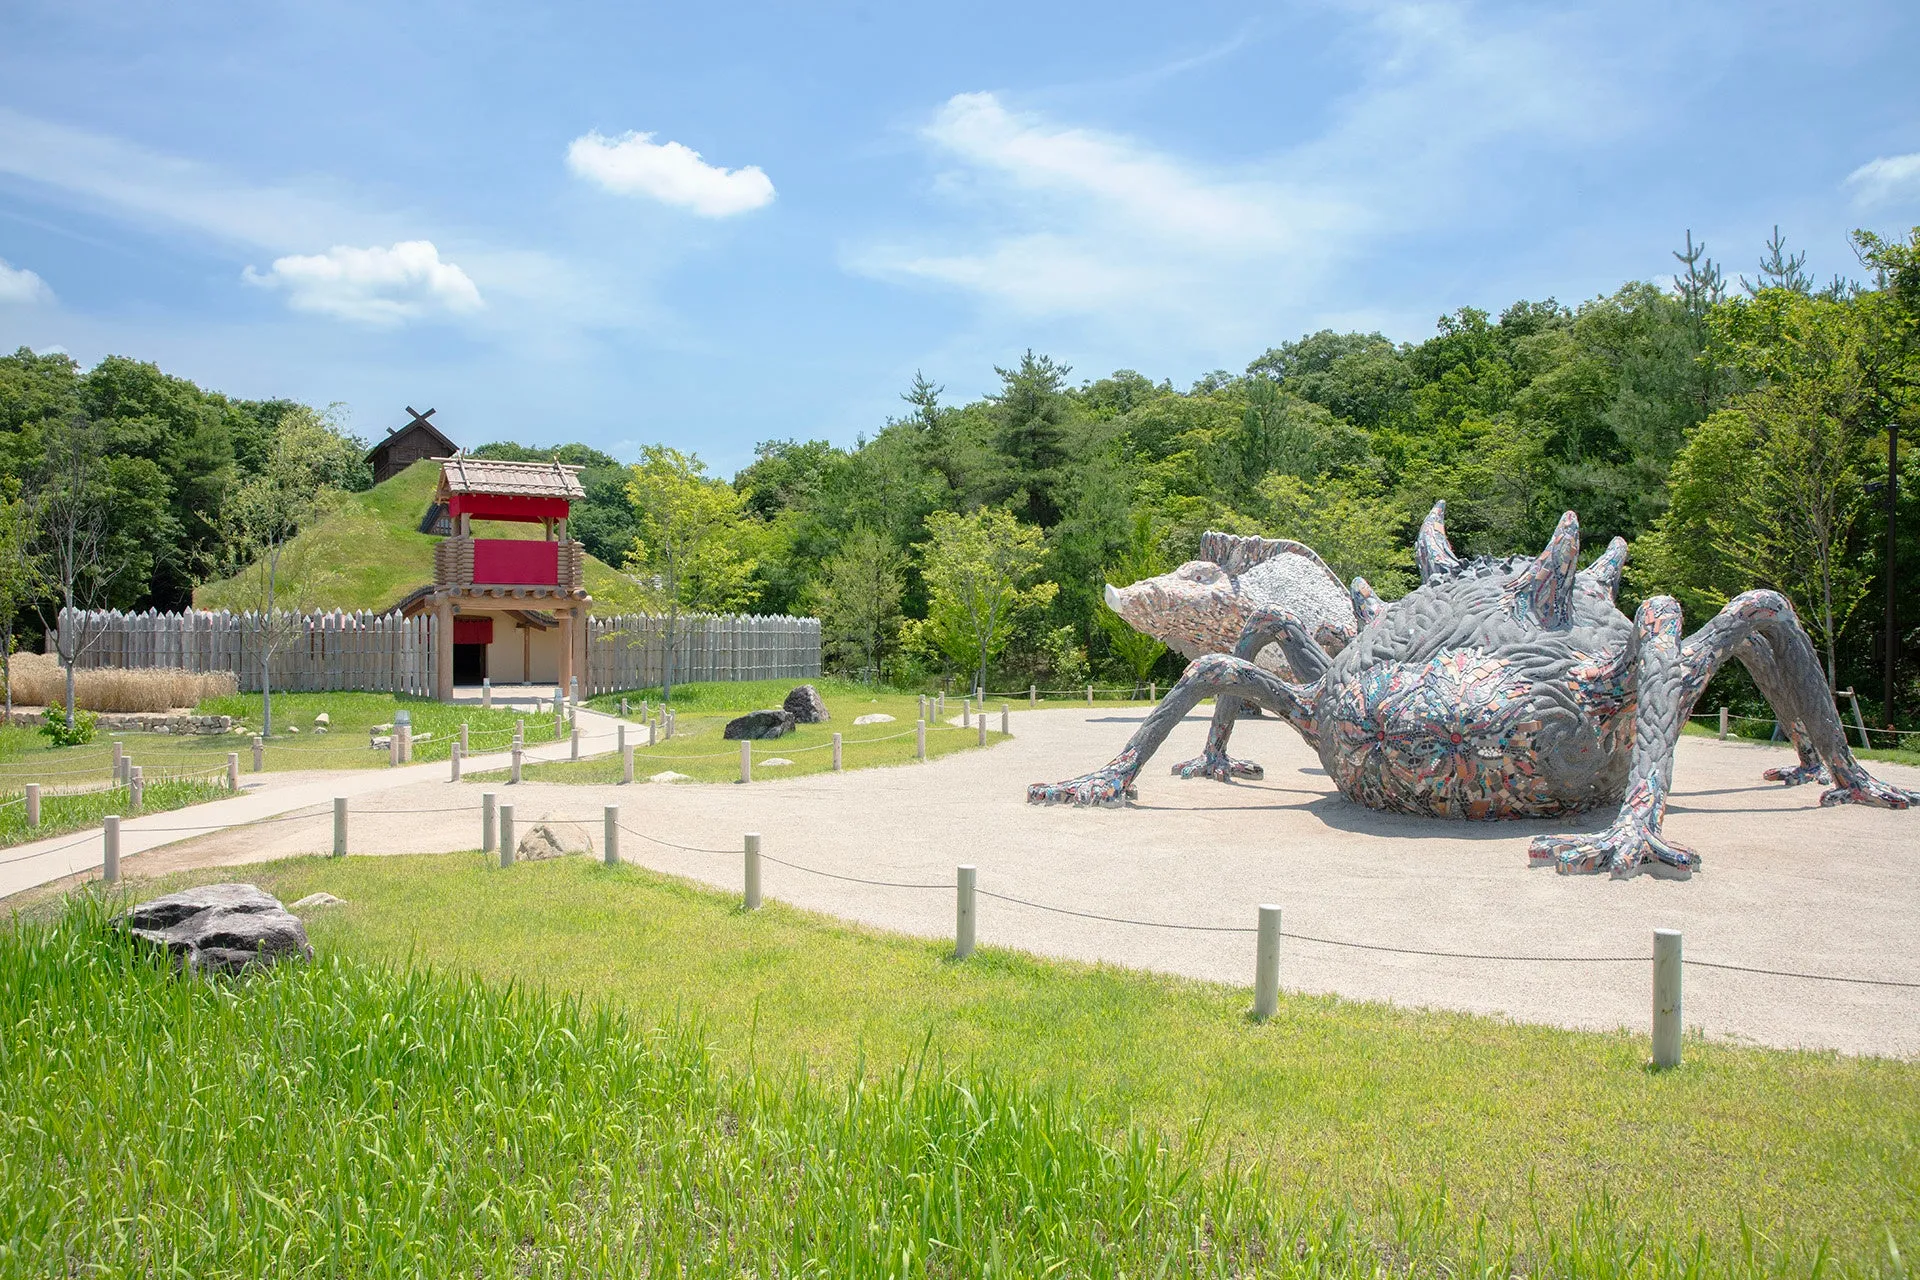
701	712
80	808
1437	1139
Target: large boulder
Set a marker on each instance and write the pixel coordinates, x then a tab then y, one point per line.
774	722
220	928
806	706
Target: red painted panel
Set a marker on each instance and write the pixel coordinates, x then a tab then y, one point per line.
500	506
473	630
516	563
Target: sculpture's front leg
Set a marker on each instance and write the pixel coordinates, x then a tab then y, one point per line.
1215	675
1669	677
1304	655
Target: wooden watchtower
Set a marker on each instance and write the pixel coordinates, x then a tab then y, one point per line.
512	609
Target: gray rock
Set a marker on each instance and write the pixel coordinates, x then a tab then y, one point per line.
806	706
315	900
220	928
775	722
874	717
553	838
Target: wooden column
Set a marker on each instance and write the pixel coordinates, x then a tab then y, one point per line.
443	648
564	616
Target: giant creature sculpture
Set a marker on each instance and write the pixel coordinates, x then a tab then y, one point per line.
1509	688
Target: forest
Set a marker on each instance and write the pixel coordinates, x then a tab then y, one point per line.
1737	432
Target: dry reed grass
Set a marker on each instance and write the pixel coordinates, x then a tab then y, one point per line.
37	681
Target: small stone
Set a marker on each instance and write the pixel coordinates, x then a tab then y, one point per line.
669	776
806	706
220	928
774	762
293	728
874	717
775	722
323	718
554	838
314	901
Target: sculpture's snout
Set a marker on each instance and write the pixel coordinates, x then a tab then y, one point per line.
1114	598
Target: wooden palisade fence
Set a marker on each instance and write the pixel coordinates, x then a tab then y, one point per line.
388	653
629	651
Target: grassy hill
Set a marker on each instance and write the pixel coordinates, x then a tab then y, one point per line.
370	553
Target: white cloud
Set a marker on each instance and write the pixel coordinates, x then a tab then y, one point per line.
1886	178
634	164
21	287
378	286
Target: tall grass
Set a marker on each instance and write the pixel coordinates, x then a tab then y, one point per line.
352	1119
37	680
61	812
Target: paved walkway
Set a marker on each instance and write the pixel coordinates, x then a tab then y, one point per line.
1786	884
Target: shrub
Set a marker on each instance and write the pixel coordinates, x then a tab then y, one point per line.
64	735
38	681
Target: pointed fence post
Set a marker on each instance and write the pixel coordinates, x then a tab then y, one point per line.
750	893
506	835
611	818
1266	964
836	753
963	912
33	806
489	813
110	849
339	826
1666	998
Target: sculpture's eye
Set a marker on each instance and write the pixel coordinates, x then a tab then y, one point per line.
1203	572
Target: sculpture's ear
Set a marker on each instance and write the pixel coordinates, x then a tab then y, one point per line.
1237	553
1430	546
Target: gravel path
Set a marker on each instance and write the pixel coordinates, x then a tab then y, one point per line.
1786	884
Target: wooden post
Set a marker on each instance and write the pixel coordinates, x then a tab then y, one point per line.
233	771
620	738
966	713
983	727
454	760
575	747
486	693
1266	964
1033	696
1666	998
118	751
506	835
519	731
136	790
626	764
611	819
920	740
623	708
1153	691
836	753
339	826
1723	724
1005	719
33	806
746	760
963	913
1089	695
110	849
259	754
518	753
489	812
750	894
463	737
653	730
406	743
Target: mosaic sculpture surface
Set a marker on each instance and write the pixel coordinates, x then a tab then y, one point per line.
1203	606
1509	688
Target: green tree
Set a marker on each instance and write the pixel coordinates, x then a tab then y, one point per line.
1032	412
20	581
1355	527
260	521
860	600
977	568
73	522
692	550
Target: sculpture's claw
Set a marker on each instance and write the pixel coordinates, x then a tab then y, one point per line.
1797	774
1219	766
1623	849
1867	789
1111	786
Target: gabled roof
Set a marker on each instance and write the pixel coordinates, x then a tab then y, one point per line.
419	424
461	474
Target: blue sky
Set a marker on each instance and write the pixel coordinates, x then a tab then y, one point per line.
714	225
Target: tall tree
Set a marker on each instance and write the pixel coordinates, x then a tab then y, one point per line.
73	519
1032	411
860	600
978	568
1143	559
691	551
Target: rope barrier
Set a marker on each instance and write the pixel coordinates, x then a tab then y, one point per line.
1811	977
832	875
684	848
1089	915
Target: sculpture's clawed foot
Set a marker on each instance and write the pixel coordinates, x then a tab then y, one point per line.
1797	774
1864	788
1219	766
1623	849
1111	786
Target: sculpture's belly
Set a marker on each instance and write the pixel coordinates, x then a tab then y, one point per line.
1463	735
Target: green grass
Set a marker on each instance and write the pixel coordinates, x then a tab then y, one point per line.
374	554
1760	733
1440	1136
701	712
26	755
64	812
